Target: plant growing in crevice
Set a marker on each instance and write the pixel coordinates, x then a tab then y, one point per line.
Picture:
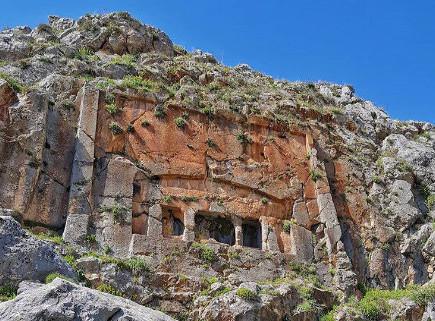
243	138
210	143
315	175
7	292
246	294
118	211
160	112
206	253
180	122
115	128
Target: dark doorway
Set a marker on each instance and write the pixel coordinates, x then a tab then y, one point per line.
172	221
217	228
252	234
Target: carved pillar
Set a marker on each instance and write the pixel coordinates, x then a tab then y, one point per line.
238	231
155	228
189	225
80	197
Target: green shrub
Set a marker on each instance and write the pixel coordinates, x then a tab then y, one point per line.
246	294
145	123
167	198
430	201
86	54
287	226
51	237
15	84
205	253
125	60
91	239
264	200
160	112
118	210
7	292
188	199
54	275
244	138
112	109
208	111
315	175
137	265
130	128
138	83
107	288
115	128
424	294
180	122
210	143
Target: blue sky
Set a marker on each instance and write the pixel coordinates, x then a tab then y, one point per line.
385	48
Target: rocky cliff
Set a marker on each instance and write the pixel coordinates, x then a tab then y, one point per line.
205	191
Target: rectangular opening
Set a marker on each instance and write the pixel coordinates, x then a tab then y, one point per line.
172	221
252	234
214	227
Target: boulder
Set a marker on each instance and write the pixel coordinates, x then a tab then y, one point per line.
64	301
24	257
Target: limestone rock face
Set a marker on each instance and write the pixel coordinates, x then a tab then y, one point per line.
145	156
23	257
61	300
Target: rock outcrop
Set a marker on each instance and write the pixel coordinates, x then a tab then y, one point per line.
24	257
143	154
62	300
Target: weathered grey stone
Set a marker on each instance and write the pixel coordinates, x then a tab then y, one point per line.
301	242
328	216
300	214
76	228
24	257
429	246
64	301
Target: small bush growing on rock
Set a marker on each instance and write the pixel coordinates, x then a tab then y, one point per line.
91	239
112	109
115	128
86	54
130	128
145	123
205	253
137	265
287	226
49	278
188	199
167	198
138	83
315	175
244	138
118	210
246	294
430	201
264	200
180	122
107	288
210	143
15	84
124	60
160	112
7	292
208	111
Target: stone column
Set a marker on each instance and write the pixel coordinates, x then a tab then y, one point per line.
268	236
155	228
80	197
238	231
189	225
